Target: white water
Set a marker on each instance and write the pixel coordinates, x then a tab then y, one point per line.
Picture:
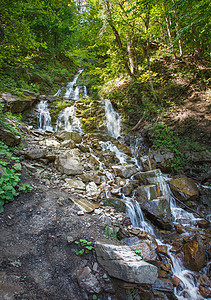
44	117
122	157
72	92
68	121
187	289
113	122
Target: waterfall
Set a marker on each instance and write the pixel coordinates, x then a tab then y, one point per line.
113	123
44	117
68	121
122	157
72	92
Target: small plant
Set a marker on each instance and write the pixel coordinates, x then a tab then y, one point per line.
84	247
139	252
110	232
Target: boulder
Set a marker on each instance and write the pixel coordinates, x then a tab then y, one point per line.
184	189
69	164
7	137
125	171
115	202
18	105
122	263
194	253
69	135
158	211
35	153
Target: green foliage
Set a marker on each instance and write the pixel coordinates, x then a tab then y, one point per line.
84	247
139	252
10	182
110	232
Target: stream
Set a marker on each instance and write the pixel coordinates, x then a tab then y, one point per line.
188	287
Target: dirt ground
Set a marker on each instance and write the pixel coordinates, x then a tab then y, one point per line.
36	260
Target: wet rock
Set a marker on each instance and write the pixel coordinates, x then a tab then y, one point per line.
125	171
158	211
88	281
194	254
9	138
176	281
179	228
76	184
153	177
148	163
203	224
69	164
184	189
147	192
205	292
69	135
127	189
122	263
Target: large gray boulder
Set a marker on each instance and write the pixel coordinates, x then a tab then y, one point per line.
69	164
122	263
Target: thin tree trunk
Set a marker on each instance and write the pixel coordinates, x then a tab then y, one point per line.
118	39
133	67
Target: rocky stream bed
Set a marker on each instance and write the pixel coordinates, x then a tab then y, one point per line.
105	191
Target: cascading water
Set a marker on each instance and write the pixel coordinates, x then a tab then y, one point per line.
68	121
187	288
44	117
72	92
113	122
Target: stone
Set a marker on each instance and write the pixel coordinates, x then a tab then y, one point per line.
69	135
164	285
194	253
148	163
127	189
68	144
85	204
91	189
176	281
158	211
18	105
179	228
125	171
51	143
185	189
205	292
69	164
148	192
9	138
76	184
88	281
35	153
122	263
116	203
